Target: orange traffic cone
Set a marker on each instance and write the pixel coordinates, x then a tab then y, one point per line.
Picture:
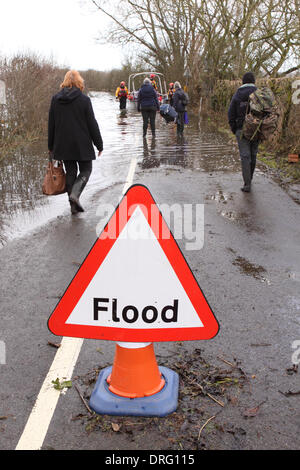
135	385
135	373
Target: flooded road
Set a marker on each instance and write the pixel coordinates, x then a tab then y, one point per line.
24	207
248	269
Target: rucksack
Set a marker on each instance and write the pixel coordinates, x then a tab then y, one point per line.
184	98
261	118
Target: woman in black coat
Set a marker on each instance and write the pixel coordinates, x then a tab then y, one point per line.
72	131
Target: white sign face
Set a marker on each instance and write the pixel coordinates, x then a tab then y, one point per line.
136	286
2	92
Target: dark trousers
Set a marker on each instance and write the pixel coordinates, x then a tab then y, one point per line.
248	152
180	122
72	167
123	102
149	114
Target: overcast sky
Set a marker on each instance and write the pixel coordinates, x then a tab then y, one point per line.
61	29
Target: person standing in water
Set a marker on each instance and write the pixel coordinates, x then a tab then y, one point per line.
171	92
122	94
179	102
148	104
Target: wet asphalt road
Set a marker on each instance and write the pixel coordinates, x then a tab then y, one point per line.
248	269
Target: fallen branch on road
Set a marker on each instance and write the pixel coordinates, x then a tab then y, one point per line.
83	400
205	424
192	382
289	393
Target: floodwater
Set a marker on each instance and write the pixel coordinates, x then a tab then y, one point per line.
24	207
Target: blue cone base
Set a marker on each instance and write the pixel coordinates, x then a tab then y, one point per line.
163	403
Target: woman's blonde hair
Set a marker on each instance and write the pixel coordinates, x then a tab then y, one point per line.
73	78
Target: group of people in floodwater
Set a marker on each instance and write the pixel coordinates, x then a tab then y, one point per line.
148	102
73	130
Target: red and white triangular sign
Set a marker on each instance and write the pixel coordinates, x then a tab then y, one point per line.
135	285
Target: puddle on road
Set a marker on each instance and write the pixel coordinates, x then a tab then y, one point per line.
295	276
24	207
245	216
220	197
233	215
250	269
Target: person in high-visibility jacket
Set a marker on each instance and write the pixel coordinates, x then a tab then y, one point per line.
171	92
152	78
122	94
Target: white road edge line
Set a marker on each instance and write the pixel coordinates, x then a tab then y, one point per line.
62	368
130	176
39	420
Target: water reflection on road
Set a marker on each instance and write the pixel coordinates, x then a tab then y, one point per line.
23	207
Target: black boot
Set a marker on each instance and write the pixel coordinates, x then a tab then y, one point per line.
74	209
77	189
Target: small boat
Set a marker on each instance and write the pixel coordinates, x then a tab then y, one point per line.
135	81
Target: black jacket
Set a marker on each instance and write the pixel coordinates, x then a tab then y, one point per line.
238	107
147	98
179	95
72	127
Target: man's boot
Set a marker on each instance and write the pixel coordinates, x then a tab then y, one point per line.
247	176
77	189
253	165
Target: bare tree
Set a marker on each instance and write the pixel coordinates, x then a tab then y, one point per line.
214	38
260	35
163	32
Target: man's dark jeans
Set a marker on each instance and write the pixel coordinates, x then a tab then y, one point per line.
248	152
149	114
180	122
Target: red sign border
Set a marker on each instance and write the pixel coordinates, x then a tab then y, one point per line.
136	195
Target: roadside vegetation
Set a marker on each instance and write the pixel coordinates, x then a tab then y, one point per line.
96	80
29	81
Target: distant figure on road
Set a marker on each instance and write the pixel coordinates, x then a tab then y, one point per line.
152	78
236	117
171	92
148	104
122	94
179	103
72	131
